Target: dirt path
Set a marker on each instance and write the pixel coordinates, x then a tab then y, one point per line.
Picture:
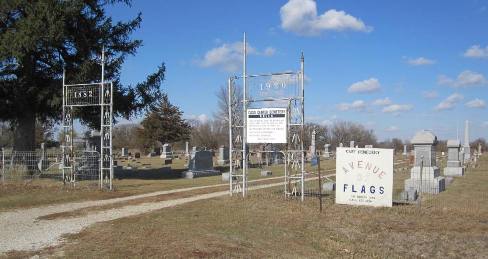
22	230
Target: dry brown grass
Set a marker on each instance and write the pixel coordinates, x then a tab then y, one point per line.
20	194
267	225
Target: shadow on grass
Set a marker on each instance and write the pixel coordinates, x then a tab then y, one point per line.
164	173
149	174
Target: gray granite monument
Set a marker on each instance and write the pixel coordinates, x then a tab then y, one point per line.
351	144
405	150
425	175
454	167
200	164
223	155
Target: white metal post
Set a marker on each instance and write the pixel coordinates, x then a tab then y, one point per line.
244	120
229	91
63	146
302	83
101	117
110	128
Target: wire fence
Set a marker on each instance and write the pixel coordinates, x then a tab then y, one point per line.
20	166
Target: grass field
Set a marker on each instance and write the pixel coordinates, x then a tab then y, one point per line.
452	224
23	194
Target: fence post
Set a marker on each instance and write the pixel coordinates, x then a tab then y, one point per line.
320	183
419	203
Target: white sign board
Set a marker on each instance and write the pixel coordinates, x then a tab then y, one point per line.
364	176
266	125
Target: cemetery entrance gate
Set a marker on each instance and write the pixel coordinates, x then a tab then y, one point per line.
276	102
88	164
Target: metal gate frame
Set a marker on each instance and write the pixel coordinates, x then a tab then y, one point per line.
238	147
85	95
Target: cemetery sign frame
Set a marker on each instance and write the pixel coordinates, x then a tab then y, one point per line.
279	92
86	95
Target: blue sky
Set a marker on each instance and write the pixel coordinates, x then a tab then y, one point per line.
394	66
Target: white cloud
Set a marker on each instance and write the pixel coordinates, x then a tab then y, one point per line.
449	102
358	105
430	94
382	102
300	17
464	79
420	61
476	51
476	103
397	108
269	51
228	56
202	118
365	86
392	129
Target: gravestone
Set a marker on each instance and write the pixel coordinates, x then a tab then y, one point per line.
328	186
368	146
156	151
137	155
125	152
225	177
187	154
223	155
467	148
259	155
167	153
200	164
265	173
425	175
341	145
351	144
326	151
480	152
461	156
404	150
277	157
312	150
454	167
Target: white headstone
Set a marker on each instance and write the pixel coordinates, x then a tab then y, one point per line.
467	149
167	152
186	149
326	151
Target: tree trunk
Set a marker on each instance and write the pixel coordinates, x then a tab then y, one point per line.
25	132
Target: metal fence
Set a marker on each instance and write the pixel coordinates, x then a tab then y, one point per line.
46	164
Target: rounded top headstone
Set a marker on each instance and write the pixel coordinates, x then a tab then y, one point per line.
424	137
453	143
